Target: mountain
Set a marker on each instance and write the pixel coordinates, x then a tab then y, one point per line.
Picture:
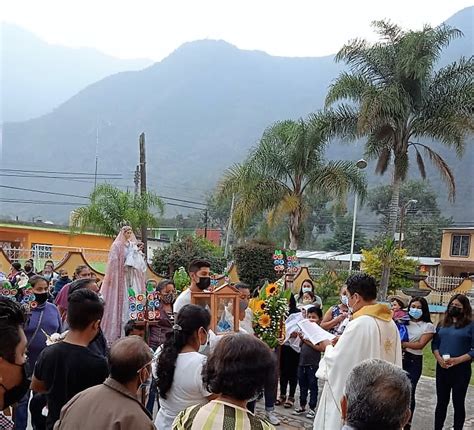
37	76
202	108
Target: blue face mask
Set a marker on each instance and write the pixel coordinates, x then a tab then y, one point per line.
415	313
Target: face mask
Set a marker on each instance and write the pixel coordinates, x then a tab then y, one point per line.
203	347
345	300
203	283
168	298
243	305
47	276
15	394
455	312
64	278
28	268
307	289
41	298
415	313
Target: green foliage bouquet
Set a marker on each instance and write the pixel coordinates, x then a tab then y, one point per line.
270	310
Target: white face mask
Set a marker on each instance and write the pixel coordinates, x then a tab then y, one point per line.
345	300
307	289
203	347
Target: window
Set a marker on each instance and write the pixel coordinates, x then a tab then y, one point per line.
40	250
460	245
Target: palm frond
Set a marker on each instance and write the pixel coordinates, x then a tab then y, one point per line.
388	31
383	161
420	163
443	168
339	122
347	87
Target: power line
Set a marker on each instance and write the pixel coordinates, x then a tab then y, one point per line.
59	172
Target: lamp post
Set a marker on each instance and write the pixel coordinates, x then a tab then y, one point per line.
403	211
361	164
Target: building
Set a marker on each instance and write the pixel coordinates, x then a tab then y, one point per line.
457	252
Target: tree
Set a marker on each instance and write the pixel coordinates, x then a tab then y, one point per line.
342	237
254	261
374	260
288	165
395	97
423	222
180	253
110	208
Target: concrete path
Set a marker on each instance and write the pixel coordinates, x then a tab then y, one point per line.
424	413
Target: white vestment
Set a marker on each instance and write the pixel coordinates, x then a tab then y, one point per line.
371	334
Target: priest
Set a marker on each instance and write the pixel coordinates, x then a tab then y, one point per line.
371	334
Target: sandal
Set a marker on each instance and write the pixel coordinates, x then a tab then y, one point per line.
289	403
280	401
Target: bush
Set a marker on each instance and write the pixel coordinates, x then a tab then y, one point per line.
254	262
180	253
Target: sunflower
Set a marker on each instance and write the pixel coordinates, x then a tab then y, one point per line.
271	289
264	320
259	306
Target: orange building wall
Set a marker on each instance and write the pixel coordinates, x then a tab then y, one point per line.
27	236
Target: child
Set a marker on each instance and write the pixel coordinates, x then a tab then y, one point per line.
308	298
308	365
400	316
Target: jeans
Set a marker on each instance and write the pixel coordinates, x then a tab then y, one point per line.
288	370
270	389
21	412
152	396
308	382
413	365
455	380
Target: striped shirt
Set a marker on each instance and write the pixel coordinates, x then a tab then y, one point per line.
217	415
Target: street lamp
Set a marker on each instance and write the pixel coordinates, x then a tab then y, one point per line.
403	211
361	164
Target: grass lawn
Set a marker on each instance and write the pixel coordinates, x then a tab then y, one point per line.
429	364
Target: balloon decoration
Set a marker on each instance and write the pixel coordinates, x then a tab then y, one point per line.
143	307
285	261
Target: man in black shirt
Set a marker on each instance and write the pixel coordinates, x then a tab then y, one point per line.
69	367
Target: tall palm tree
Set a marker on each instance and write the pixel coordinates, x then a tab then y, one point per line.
395	96
286	166
110	208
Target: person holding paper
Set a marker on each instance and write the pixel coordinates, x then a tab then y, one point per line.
308	365
371	334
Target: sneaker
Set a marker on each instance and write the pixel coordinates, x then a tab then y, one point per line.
299	411
272	418
311	414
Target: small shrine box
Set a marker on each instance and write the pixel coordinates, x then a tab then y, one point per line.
223	304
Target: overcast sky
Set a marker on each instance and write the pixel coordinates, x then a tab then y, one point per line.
154	28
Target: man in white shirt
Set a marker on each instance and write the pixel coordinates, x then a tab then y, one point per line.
200	274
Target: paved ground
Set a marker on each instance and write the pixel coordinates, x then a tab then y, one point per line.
424	413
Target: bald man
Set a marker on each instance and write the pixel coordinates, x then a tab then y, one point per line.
114	403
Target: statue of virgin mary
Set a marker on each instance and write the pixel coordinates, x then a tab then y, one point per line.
125	272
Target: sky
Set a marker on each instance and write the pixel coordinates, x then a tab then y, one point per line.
155	28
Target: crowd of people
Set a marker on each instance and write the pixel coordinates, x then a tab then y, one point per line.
59	369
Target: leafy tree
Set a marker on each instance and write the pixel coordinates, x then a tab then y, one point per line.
180	253
374	260
342	237
288	165
423	222
395	96
254	262
110	208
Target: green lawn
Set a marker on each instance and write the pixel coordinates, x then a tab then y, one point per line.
429	364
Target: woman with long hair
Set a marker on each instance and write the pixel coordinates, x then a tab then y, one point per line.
453	349
420	332
180	365
307	286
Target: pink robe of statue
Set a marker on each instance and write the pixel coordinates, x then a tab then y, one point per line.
118	278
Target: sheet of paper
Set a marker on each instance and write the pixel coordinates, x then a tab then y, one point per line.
291	324
313	332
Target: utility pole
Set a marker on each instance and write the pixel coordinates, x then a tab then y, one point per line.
205	223
96	153
143	188
229	227
136	179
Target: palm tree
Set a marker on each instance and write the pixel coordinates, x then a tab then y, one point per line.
395	96
282	171
110	208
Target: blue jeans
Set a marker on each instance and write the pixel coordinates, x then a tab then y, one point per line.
21	412
413	365
308	382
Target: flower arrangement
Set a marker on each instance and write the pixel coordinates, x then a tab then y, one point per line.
270	311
